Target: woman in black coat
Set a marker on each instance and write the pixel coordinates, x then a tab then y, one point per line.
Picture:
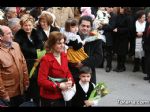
122	31
29	41
45	25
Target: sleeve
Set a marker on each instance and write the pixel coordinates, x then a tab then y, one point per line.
94	59
43	75
25	73
68	94
3	92
111	25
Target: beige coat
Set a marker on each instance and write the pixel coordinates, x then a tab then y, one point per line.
62	14
13	72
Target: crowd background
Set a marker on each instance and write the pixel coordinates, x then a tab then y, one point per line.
124	34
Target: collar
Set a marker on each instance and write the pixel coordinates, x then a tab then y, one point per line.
83	84
7	49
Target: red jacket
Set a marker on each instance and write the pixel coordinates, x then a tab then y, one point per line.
50	67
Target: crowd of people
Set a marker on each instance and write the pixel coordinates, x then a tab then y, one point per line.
74	42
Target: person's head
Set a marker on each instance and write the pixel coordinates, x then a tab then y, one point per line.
85	25
109	9
125	10
141	16
14	24
5	35
85	74
55	42
11	12
45	20
71	25
27	23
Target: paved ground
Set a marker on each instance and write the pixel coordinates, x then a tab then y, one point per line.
126	88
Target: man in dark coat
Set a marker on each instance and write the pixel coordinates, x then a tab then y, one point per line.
108	32
93	50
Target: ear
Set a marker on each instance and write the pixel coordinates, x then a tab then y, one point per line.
0	37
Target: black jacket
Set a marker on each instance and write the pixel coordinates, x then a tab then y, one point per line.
123	23
29	48
42	33
108	29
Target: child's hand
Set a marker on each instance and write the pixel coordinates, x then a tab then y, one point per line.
88	103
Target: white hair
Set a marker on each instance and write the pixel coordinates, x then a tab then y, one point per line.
13	21
13	9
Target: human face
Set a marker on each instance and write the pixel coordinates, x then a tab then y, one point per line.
121	10
142	19
43	24
85	27
15	28
11	14
109	9
27	26
59	46
85	77
7	34
74	29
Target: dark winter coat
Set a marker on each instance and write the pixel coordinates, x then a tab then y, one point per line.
28	48
108	29
123	23
42	33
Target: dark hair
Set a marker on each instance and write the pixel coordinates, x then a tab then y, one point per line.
53	38
70	22
139	14
127	10
85	69
86	18
1	32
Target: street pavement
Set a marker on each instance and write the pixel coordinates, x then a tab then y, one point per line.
126	88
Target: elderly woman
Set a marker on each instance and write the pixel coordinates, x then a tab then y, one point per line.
29	41
45	25
14	24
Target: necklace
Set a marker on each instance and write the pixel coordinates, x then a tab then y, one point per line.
56	55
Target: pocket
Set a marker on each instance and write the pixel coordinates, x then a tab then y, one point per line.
7	63
9	82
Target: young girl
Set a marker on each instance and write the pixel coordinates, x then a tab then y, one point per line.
75	52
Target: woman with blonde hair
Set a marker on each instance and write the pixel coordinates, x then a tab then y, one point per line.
30	41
